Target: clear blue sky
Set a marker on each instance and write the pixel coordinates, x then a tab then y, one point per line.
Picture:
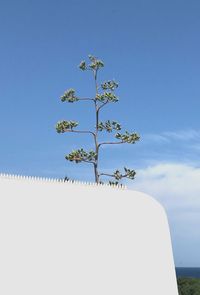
152	49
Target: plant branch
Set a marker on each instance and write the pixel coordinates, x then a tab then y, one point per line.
102	105
80	131
111	175
119	142
86	99
91	162
106	174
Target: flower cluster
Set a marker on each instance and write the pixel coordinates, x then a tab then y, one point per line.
94	65
69	96
107	97
114	183
109	126
63	126
128	137
109	85
81	156
128	173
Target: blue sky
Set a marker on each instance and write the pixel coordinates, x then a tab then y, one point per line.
152	49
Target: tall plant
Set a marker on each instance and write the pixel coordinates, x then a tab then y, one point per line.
104	94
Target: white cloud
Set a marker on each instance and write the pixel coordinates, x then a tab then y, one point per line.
177	187
172	184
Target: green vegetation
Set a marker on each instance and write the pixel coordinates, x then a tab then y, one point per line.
188	286
103	95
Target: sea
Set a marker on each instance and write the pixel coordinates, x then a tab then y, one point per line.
188	272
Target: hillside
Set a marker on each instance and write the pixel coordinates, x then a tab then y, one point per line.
188	286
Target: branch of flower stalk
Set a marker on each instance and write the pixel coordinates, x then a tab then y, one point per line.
80	131
86	161
112	175
91	162
103	105
117	142
105	174
86	99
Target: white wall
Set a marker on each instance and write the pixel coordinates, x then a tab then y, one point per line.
74	239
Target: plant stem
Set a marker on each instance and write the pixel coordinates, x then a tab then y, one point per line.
96	130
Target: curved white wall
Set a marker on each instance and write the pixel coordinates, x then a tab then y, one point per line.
74	239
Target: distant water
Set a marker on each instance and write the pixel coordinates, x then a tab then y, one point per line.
188	272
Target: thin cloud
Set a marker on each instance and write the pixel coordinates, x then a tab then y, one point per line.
184	135
155	138
171	136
